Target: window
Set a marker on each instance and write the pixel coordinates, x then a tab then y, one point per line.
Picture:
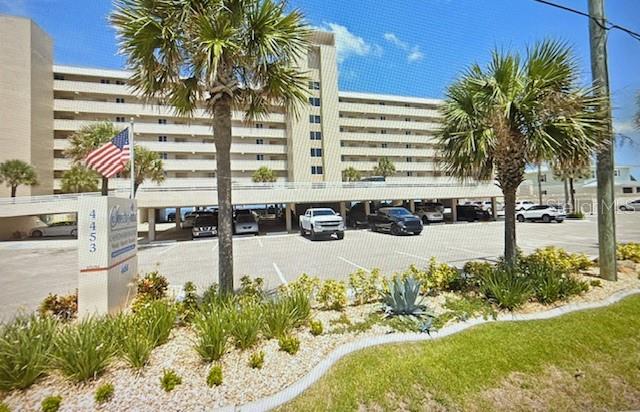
627	190
259	126
162	138
316	170
637	189
407	132
384	145
543	178
383	118
58	76
409	159
105	81
406	119
162	121
314	101
342	129
315	135
259	141
314	118
120	82
409	174
314	85
616	172
164	155
383	131
120	119
381	103
316	152
260	157
119	99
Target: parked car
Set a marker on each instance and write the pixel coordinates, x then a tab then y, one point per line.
524	204
633	205
204	225
321	222
246	223
472	213
430	213
190	217
544	213
356	217
395	220
171	217
55	229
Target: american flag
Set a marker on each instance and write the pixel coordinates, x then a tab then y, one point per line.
110	158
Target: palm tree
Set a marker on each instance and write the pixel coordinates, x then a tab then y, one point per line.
351	174
517	112
217	55
80	179
569	169
637	117
17	172
87	139
148	167
384	168
264	174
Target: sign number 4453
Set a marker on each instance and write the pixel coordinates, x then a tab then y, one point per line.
92	231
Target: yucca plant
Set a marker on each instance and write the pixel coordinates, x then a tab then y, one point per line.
136	342
157	318
506	287
279	318
246	322
24	350
212	330
83	350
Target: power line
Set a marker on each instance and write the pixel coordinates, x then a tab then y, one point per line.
606	24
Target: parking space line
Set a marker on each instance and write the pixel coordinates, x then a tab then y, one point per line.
413	256
299	239
353	264
279	272
259	241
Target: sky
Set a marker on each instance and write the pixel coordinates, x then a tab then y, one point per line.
404	47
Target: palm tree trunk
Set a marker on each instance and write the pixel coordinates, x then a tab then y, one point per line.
566	194
136	185
105	186
573	195
222	136
510	245
14	188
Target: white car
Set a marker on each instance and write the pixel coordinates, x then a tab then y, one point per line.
430	213
246	223
543	213
319	222
524	204
56	229
633	205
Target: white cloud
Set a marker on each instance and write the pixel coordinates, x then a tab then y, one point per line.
349	44
624	127
14	7
413	52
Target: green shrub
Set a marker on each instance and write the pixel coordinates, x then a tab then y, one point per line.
212	330
152	286
251	288
64	308
596	283
366	286
104	393
558	259
550	283
333	295
359	327
256	360
188	307
158	317
51	403
136	343
507	288
4	407
575	215
306	284
343	320
475	271
629	251
214	378
301	305
441	276
169	380
315	327
24	350
279	317
83	350
289	344
463	308
246	322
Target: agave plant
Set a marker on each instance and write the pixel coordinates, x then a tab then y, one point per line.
403	298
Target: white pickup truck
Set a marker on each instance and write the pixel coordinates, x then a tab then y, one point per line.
321	222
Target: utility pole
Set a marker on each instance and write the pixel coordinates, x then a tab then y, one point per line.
605	159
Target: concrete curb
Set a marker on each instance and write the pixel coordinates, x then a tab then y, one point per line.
292	391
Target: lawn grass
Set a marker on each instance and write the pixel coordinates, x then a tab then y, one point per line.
581	361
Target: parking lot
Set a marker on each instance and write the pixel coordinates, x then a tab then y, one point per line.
31	269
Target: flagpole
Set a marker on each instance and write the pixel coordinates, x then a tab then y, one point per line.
132	157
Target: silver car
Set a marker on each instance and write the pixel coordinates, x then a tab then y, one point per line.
246	223
56	229
430	213
633	205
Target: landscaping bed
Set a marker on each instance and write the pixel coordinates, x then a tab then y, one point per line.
271	340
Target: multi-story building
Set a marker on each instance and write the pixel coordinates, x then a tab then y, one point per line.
42	104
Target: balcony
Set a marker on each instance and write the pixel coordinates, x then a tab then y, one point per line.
389	137
196	165
137	110
175	129
384	151
380	109
368	166
388	124
194	147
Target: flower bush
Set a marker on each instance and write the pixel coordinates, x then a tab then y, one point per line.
366	287
64	308
629	251
332	295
